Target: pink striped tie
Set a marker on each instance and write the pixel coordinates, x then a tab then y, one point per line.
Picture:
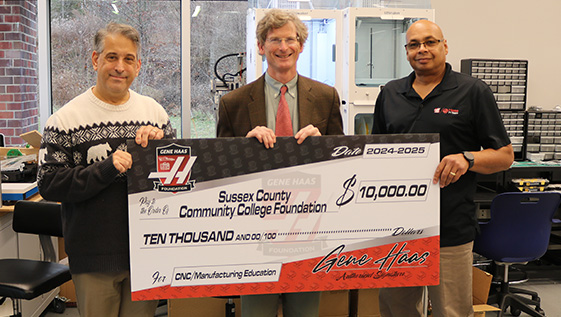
283	124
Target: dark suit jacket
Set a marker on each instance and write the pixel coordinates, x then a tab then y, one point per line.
244	108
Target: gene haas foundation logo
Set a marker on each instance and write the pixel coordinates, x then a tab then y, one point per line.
174	164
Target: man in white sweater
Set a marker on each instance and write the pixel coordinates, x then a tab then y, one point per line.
83	164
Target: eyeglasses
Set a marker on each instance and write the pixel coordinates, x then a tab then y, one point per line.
417	45
278	41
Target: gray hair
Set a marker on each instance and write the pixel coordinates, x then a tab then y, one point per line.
116	28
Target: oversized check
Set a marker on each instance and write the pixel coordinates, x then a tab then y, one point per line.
222	217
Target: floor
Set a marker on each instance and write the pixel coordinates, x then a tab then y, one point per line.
73	312
543	277
549	291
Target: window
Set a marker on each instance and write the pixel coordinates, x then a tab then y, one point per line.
73	24
380	56
218	29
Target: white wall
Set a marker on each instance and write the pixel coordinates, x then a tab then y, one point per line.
508	29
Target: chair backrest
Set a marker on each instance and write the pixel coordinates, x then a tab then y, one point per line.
42	218
519	228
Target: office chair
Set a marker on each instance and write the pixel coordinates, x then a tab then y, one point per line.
27	279
517	232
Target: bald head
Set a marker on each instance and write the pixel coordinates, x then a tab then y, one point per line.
424	26
429	56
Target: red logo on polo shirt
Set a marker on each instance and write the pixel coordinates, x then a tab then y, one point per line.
446	111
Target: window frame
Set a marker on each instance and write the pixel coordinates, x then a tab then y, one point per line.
44	65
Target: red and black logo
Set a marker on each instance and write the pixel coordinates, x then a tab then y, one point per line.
446	111
174	163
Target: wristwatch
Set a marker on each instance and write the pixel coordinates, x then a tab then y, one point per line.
469	157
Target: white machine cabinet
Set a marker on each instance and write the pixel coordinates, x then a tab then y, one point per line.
374	54
357	50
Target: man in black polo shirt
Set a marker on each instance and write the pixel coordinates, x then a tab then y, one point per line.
436	99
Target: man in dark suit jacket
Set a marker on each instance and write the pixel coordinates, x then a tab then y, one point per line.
244	109
243	112
250	111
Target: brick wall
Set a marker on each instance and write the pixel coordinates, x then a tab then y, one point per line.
19	107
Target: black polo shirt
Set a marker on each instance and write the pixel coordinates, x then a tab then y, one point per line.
463	111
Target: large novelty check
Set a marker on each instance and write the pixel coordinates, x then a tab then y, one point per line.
219	217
